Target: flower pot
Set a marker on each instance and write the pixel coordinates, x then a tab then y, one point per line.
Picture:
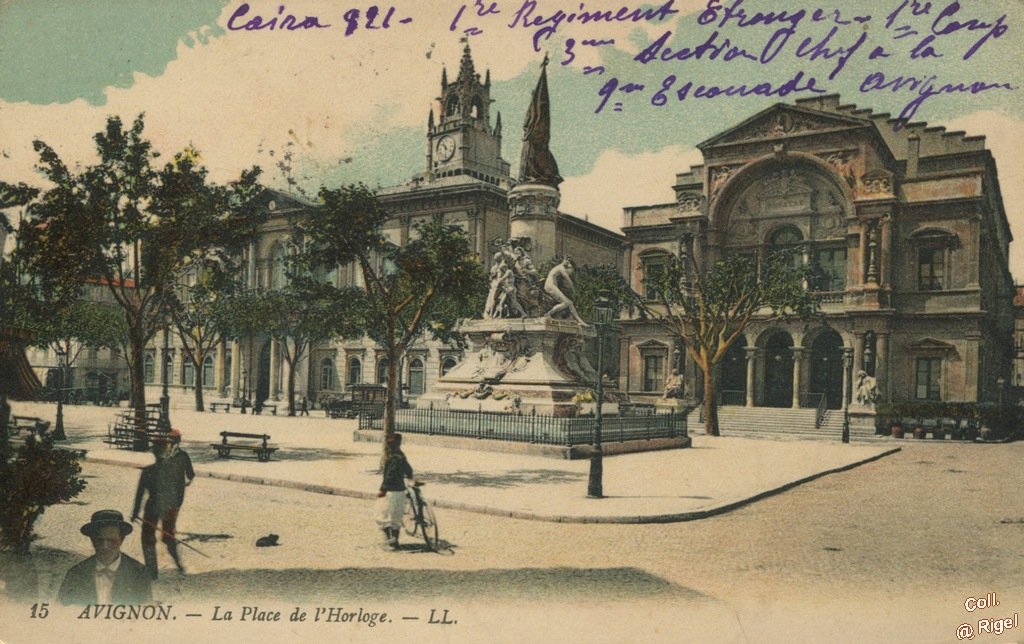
896	431
939	434
920	432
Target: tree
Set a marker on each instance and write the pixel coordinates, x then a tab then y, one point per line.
709	309
424	286
132	228
79	325
306	312
32	477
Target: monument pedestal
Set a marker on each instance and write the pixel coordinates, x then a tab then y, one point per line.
520	366
862	420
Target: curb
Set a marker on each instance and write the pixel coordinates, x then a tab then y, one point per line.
529	516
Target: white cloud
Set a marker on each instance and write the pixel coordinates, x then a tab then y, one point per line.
619	180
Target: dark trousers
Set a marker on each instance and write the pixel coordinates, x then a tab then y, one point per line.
167	524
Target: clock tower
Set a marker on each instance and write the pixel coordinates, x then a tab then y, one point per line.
461	141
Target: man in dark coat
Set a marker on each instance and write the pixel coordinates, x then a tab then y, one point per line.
164	482
392	490
109	576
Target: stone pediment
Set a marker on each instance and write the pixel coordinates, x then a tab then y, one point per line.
781	121
931	345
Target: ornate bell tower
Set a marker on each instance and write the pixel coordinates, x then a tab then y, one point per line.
462	141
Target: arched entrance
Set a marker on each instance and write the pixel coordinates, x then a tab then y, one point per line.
263	383
733	372
827	368
778	370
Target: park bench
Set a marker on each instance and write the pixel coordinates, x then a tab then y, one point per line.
125	433
228	443
260	407
226	406
30	424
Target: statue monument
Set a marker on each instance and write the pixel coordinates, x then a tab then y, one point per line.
527	350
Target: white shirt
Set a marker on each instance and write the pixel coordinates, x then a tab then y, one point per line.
105	580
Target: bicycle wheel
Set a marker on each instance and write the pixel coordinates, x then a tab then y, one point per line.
409	520
429	525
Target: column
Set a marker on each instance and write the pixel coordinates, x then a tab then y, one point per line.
863	246
218	369
798	355
236	370
751	361
847	360
882	365
885	256
252	265
858	350
481	242
275	369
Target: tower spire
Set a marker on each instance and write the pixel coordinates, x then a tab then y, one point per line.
467	72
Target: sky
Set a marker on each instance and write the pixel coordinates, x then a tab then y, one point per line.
350	99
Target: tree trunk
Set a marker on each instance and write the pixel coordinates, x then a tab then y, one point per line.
710	408
291	382
198	380
136	365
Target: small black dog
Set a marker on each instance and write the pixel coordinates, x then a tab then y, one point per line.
269	540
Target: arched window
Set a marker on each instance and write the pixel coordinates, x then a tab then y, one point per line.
150	368
447	364
452	106
382	371
208	373
355	371
415	377
327	374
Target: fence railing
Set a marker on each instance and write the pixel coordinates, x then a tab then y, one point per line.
545	430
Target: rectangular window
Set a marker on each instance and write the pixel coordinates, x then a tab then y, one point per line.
654	268
831	270
929	379
654	372
188	372
931	269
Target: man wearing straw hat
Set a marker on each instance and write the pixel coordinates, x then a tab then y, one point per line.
109	576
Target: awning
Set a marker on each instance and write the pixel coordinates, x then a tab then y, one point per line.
17	379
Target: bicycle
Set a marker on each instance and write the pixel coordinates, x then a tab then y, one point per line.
419	516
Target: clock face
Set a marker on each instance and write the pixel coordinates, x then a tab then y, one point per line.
446	148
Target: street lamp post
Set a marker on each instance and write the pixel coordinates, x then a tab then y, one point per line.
58	426
165	398
602	318
847	382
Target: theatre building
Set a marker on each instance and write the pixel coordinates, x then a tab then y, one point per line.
907	238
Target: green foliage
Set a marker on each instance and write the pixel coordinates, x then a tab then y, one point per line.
33	477
133	228
709	309
424	286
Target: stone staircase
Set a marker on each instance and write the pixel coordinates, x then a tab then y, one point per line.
771	422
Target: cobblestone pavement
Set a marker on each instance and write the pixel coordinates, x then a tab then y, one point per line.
888	551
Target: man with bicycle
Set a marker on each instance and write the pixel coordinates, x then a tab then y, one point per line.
392	490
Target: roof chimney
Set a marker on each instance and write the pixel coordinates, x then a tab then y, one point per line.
913	154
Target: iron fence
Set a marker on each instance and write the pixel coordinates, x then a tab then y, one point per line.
546	430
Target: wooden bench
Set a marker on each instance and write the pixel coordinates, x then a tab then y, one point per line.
260	449
259	407
125	433
30	424
226	406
